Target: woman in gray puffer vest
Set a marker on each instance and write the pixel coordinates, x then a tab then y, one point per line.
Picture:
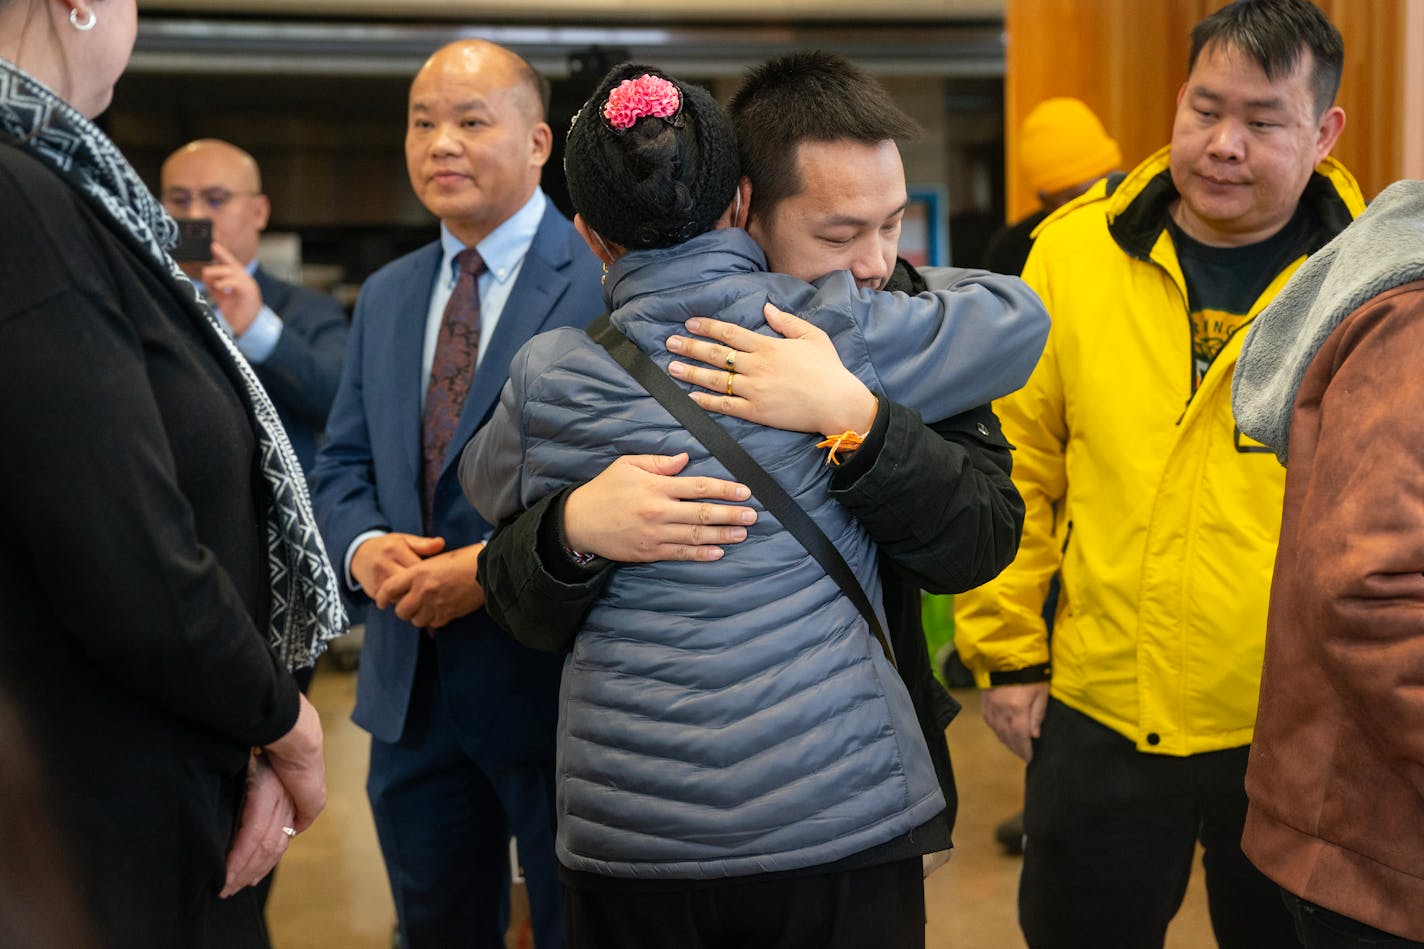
734	718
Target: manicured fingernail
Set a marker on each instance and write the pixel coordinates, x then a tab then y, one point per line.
715	553
694	325
677	369
675	343
749	517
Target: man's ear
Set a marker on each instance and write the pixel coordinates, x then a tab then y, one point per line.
590	237
1331	124
262	210
735	214
744	189
543	143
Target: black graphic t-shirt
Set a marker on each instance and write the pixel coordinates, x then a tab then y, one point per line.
1223	283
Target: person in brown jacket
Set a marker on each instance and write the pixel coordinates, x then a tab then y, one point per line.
1331	372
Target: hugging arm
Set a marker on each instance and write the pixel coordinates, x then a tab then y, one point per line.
957	471
637	510
937	499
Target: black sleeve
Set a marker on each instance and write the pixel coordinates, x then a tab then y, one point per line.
532	588
936	499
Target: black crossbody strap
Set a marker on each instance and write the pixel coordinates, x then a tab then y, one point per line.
742	466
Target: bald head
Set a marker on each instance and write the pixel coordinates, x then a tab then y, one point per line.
214	152
491	59
217	180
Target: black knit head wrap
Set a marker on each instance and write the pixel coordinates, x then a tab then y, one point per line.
664	178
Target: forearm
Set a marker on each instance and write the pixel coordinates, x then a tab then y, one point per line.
974	338
1000	632
937	500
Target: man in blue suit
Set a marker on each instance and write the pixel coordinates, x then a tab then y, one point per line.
461	717
295	338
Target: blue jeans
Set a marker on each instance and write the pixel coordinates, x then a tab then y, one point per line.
1320	928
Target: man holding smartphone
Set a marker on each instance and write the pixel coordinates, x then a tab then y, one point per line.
295	338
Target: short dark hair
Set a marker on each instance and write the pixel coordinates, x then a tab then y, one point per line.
1275	33
537	84
807	96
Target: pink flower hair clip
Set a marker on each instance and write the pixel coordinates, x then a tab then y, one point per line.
634	99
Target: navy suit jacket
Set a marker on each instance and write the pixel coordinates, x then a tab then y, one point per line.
303	370
502	695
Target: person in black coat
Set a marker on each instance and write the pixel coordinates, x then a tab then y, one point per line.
159	573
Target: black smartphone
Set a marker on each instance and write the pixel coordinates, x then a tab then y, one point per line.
195	240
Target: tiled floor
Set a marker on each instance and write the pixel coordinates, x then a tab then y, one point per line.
331	890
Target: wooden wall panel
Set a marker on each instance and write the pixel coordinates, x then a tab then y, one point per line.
1372	88
1411	141
1127	59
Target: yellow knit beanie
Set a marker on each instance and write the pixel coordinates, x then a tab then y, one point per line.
1062	144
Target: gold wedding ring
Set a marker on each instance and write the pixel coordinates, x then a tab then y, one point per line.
731	359
730	377
289	831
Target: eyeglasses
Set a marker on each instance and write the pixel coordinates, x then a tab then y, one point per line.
214	199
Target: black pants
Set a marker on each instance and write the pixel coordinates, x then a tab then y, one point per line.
1319	928
881	907
1109	838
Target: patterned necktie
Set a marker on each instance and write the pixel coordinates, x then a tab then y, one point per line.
456	348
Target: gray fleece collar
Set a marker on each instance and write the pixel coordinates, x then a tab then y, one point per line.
1382	249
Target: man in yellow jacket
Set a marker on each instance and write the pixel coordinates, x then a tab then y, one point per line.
1160	517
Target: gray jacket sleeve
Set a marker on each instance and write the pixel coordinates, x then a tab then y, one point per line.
492	463
972	337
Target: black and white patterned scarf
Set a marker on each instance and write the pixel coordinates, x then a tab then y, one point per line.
306	606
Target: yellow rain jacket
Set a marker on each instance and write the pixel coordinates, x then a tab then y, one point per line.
1159	515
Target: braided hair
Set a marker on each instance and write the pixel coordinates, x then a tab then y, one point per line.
650	161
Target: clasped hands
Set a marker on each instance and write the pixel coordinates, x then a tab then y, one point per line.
286	790
427	585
